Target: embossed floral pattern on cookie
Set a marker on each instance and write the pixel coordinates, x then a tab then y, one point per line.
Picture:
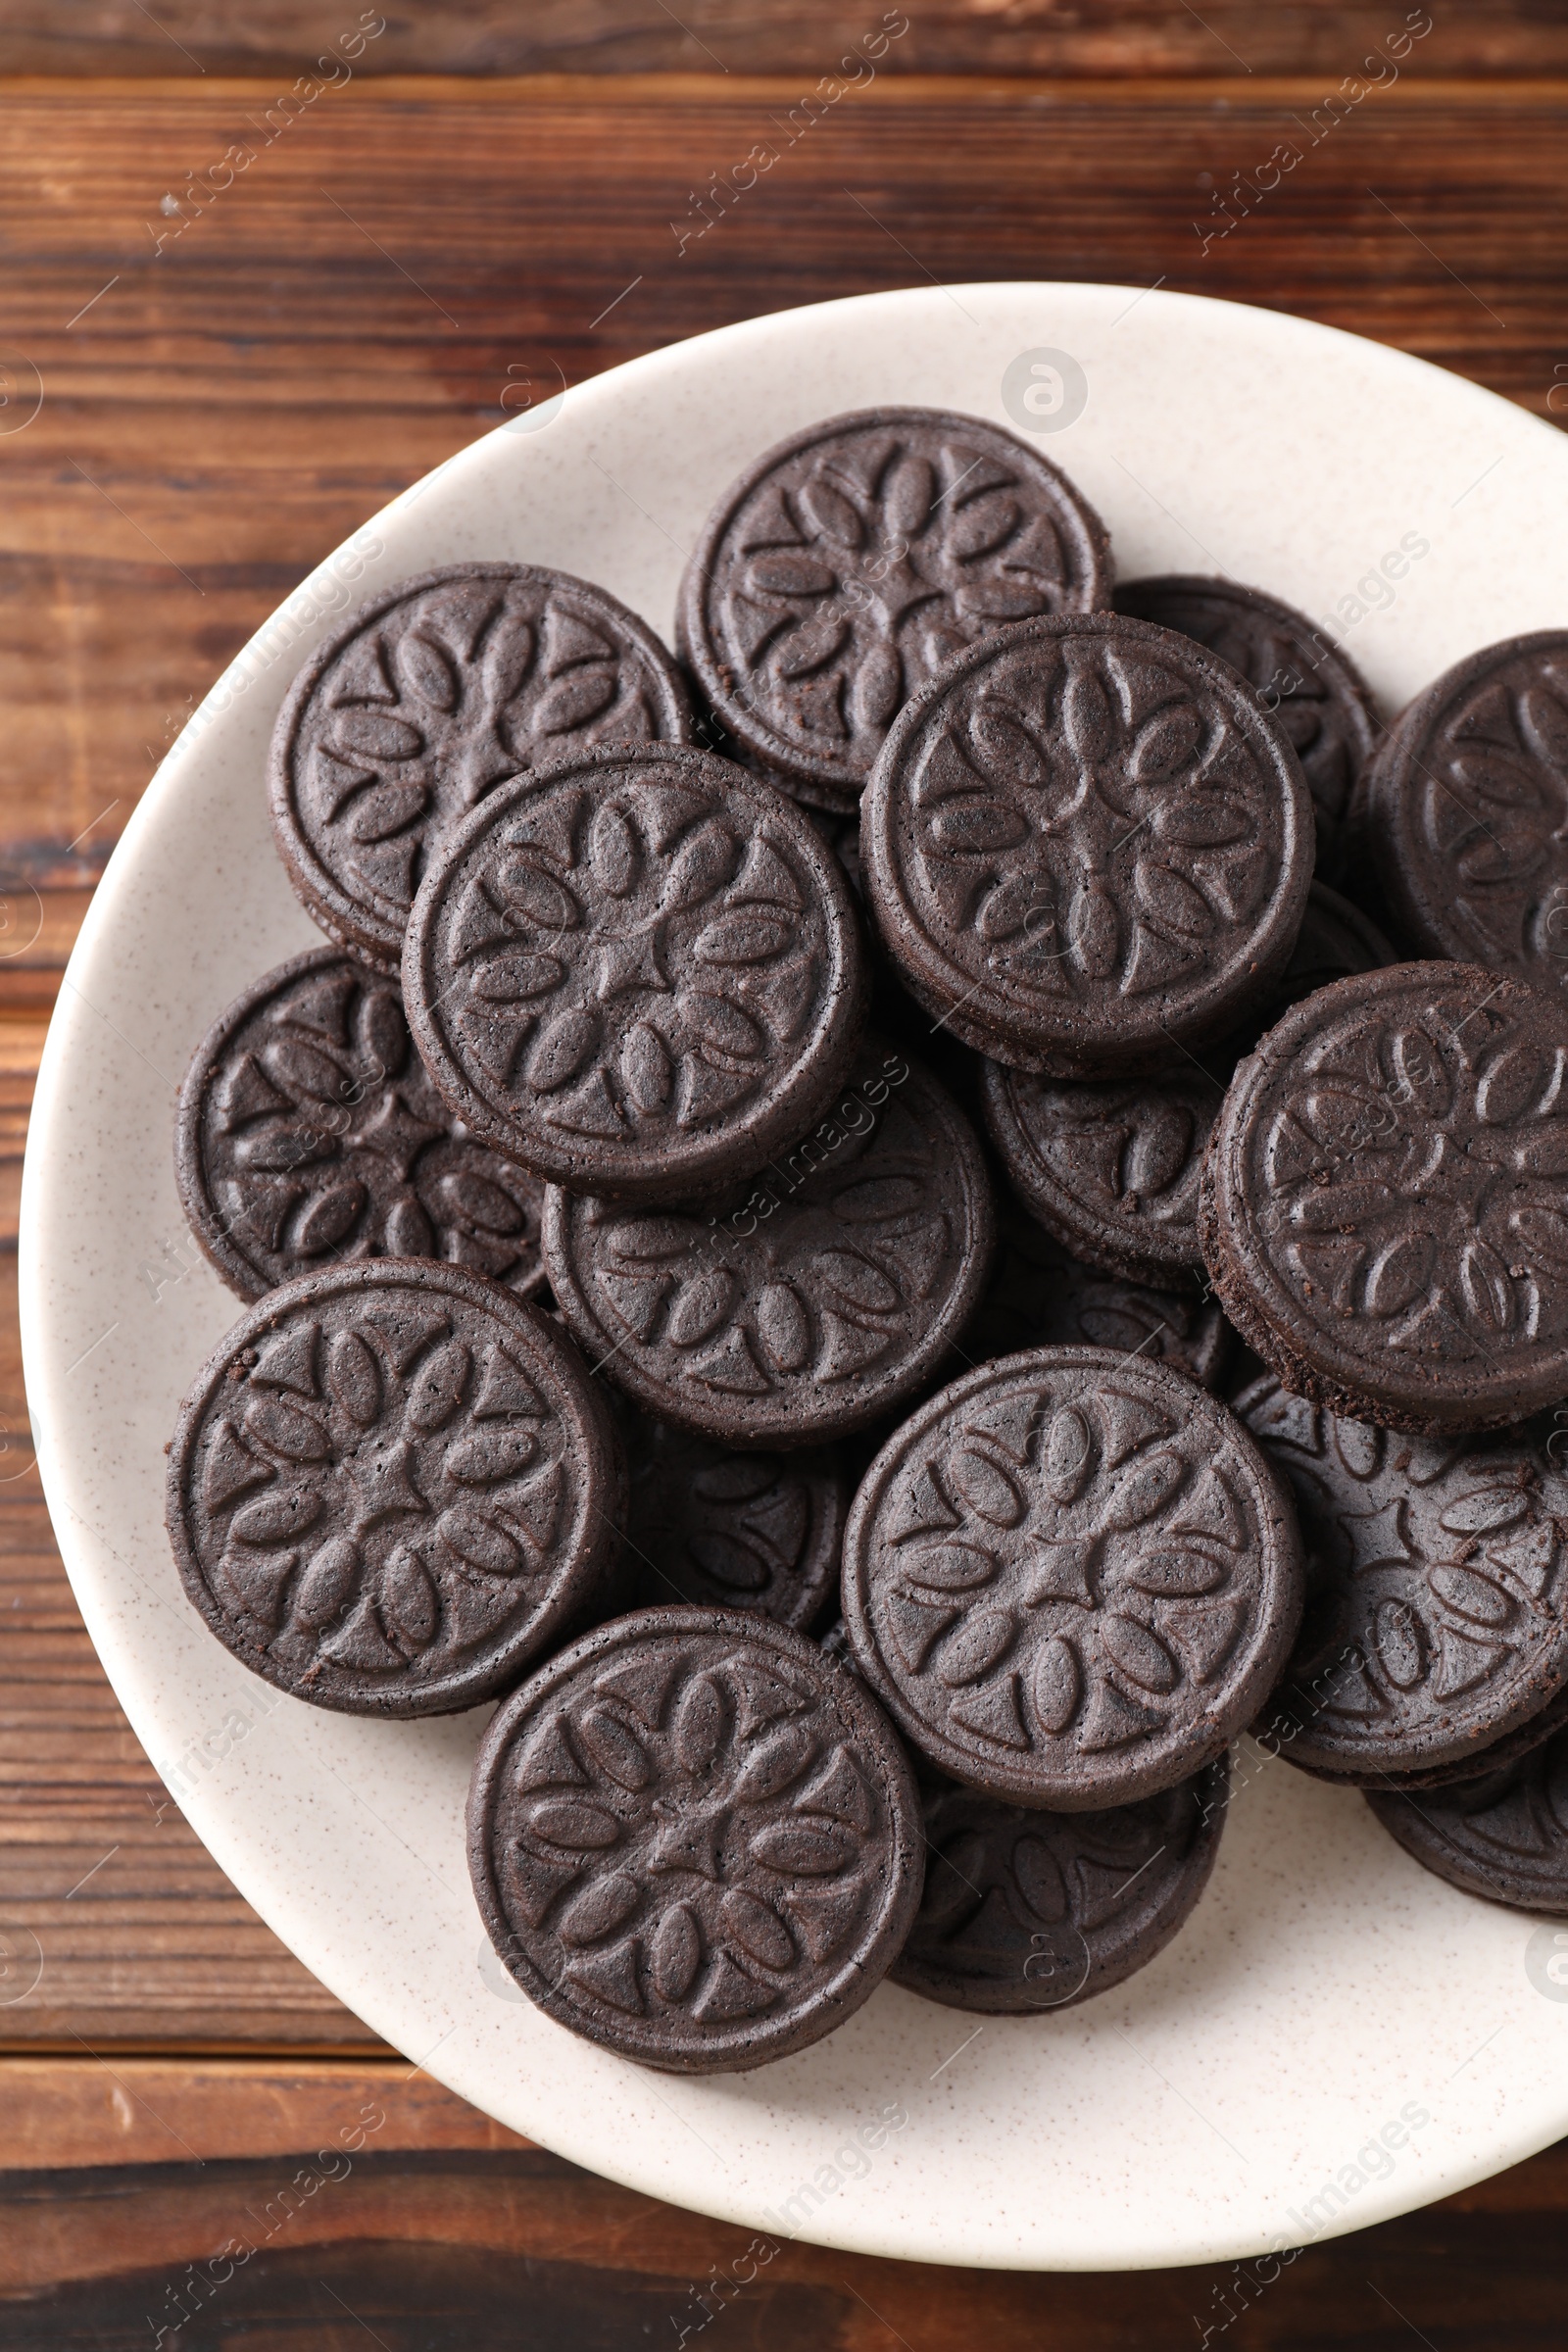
851	563
637	975
1437	1614
1072	1578
1113	1167
1387	1210
693	1841
1309	684
391	1487
1087	841
426	698
806	1304
310	1134
1466	811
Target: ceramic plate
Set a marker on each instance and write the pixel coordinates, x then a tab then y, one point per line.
1336	2037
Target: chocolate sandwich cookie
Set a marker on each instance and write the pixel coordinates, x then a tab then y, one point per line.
1461	813
812	1300
1307	682
1111	1168
737	1531
1087	847
309	1132
639	974
1503	1835
1026	1911
1490	1757
852	560
1381	1205
693	1841
426	697
392	1487
1039	1296
1437	1611
1072	1577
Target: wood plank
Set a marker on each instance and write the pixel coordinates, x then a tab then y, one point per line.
310	2204
805	38
216	416
65	2113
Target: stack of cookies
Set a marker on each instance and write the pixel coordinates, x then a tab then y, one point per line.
885	1116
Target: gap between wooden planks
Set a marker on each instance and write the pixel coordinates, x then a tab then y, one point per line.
605	92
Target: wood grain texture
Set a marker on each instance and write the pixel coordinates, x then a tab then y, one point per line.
403	265
259	2206
285	38
65	2113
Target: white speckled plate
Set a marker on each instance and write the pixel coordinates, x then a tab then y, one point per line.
1336	2037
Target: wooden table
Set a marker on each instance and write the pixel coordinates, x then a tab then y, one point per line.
206	386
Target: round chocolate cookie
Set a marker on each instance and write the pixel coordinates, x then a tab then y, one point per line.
393	1486
308	1131
693	1841
1437	1611
1111	1168
426	697
640	974
1489	1757
1039	1296
735	1531
1462	813
1087	847
851	561
1309	684
805	1305
1382	1206
1025	1910
1503	1834
1072	1578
